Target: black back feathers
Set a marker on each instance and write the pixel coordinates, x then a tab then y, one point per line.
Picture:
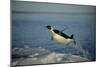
61	33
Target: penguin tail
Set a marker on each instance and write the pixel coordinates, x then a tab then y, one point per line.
72	37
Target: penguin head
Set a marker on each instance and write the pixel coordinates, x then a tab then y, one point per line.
49	27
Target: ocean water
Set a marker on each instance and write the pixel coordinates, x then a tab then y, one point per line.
28	31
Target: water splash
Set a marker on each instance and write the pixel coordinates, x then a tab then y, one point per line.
85	53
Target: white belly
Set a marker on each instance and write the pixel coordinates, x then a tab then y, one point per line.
61	39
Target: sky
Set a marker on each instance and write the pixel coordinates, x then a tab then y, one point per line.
49	7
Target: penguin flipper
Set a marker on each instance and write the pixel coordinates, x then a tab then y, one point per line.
51	37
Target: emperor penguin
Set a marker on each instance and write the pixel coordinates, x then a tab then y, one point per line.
60	37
